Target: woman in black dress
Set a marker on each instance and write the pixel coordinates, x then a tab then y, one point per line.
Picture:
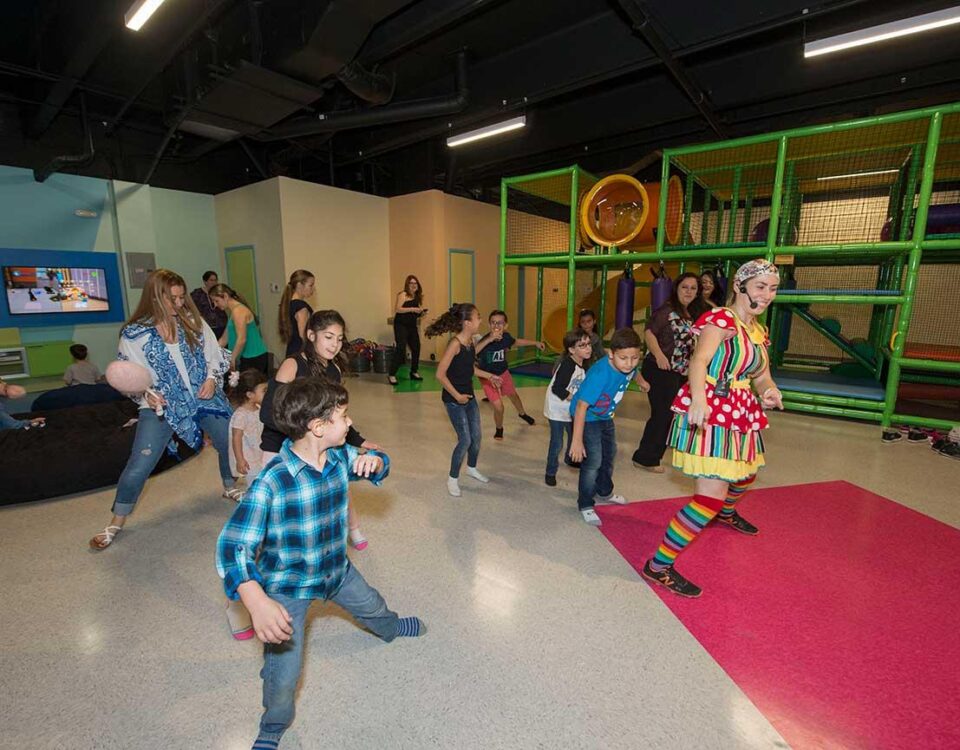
295	311
406	316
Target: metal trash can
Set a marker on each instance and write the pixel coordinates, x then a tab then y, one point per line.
359	363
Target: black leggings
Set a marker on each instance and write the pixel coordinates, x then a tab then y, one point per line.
664	385
260	362
406	336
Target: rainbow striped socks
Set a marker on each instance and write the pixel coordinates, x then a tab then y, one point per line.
735	492
683	529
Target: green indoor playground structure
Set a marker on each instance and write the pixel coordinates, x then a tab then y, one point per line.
862	217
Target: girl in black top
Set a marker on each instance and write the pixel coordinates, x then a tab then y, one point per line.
455	373
406	314
294	311
322	357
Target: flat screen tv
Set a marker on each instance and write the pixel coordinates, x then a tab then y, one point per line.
33	290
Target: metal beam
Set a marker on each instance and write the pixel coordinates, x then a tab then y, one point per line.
640	18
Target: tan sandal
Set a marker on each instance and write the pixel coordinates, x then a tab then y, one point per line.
105	538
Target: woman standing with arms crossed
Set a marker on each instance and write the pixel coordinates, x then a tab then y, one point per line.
669	338
407	310
167	336
295	311
718	418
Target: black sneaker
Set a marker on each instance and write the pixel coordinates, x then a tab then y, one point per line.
550	480
740	523
528	419
891	436
498	435
671	579
917	437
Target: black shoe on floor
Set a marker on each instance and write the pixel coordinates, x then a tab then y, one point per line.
740	523
528	419
950	450
550	481
891	436
498	435
671	579
917	437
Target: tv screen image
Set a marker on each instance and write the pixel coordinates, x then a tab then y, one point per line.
43	289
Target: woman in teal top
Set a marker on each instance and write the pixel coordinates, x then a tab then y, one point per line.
242	337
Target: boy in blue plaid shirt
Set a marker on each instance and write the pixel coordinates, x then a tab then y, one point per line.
286	543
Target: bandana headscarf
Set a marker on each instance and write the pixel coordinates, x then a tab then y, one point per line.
758	267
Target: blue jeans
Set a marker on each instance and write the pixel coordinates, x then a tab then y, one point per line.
596	471
283	662
556	444
466	421
151	440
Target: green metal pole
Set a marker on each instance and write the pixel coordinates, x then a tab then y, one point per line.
833	411
930	365
572	257
788	200
502	270
816	398
662	208
539	323
804	314
914	421
852	299
721	208
734	203
913	266
687	209
909	189
776	197
706	214
747	210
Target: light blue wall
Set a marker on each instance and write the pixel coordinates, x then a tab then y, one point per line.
180	228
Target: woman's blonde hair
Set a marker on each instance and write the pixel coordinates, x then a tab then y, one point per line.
283	319
152	312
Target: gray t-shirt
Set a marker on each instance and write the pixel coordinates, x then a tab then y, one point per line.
81	373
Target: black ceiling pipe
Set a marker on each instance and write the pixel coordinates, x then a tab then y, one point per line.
70	160
370	86
400	112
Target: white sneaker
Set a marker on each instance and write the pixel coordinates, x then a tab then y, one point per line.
471	472
612	500
453	487
591	517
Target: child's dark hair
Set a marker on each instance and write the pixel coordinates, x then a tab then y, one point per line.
78	351
572	338
492	315
624	338
452	320
249	380
208	274
585	312
321	320
303	400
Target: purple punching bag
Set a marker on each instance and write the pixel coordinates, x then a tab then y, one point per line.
660	289
626	289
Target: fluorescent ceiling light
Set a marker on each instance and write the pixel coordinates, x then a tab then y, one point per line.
857	174
140	12
884	31
487	132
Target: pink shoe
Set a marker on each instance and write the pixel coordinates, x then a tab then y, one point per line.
358	540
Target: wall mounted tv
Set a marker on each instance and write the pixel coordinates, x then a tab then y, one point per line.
57	288
34	290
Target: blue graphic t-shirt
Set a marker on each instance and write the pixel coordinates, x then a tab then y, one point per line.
602	390
493	358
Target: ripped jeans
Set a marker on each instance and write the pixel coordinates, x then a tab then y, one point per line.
151	440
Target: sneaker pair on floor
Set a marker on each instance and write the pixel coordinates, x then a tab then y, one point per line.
914	436
590	516
453	484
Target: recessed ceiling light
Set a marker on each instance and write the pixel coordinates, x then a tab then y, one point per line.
884	31
140	12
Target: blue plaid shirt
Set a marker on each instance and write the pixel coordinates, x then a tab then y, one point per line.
296	518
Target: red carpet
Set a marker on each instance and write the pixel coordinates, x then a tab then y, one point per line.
839	621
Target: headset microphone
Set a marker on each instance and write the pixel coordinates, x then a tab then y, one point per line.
753	304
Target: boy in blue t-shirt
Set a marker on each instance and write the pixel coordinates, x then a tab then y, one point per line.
492	353
594	437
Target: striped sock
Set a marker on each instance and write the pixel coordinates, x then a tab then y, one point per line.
264	744
684	528
734	493
410	627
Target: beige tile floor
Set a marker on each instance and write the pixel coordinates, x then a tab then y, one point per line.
541	635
